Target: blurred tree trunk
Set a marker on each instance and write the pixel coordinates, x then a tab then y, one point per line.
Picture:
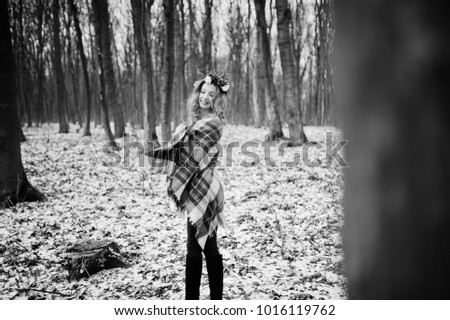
294	116
74	11
168	70
57	67
394	66
140	11
14	185
97	17
103	21
270	90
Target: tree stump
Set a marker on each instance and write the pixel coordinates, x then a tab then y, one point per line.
90	256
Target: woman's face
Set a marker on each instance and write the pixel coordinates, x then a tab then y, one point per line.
207	95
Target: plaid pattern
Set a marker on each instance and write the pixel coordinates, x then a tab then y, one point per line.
190	158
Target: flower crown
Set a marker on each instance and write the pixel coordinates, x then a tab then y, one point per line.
215	79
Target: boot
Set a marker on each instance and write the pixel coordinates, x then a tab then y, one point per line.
214	265
193	277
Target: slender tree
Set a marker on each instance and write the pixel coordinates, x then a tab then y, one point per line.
259	109
194	54
248	108
14	185
39	110
270	90
182	92
292	103
236	36
140	13
97	17
72	61
168	69
79	36
22	72
208	36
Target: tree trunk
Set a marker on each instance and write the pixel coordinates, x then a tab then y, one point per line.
139	10
120	97
14	185
312	110
182	76
168	70
108	67
73	66
100	43
248	108
394	62
207	39
88	257
23	71
194	53
255	94
40	64
260	80
74	11
294	116
57	67
270	91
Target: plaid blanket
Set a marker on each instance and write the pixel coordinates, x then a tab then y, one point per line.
189	159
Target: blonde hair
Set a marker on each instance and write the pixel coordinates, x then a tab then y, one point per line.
193	107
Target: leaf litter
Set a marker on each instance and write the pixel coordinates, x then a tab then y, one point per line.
282	242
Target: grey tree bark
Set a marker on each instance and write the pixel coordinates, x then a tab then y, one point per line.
270	91
168	70
14	185
108	67
74	12
57	67
140	10
207	38
97	17
292	103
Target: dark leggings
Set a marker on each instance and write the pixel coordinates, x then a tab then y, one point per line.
193	248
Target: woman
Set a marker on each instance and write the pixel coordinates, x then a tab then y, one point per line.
191	156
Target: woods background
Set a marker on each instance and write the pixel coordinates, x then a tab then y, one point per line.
83	61
89	62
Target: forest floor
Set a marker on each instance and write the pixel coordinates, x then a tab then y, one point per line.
283	240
